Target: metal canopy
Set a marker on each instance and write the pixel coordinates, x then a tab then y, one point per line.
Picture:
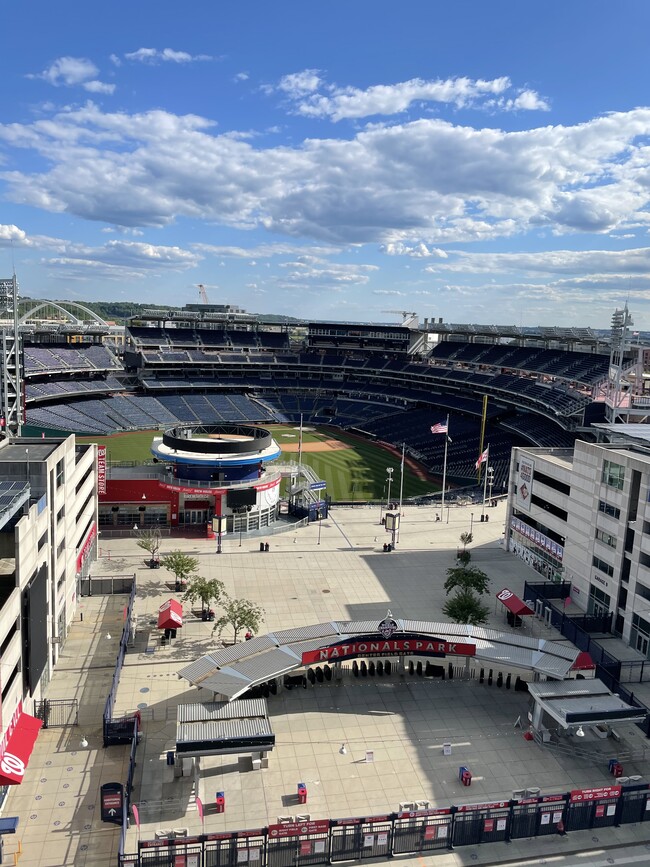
582	702
223	728
233	671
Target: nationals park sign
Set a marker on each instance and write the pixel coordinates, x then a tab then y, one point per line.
411	645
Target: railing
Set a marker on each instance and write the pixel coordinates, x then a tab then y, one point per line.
107	725
205	484
415	829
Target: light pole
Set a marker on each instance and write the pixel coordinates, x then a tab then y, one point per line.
390	471
320	524
471	522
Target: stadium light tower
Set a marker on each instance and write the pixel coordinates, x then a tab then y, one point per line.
390	471
11	409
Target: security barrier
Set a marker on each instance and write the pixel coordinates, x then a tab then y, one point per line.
323	841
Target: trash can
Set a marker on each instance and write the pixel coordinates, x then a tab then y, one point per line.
170	757
261	546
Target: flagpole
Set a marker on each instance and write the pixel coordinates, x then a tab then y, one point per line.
444	472
401	490
485	478
300	443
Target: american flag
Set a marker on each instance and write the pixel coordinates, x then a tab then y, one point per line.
483	458
439	428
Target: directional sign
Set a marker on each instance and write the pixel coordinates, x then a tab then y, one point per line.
317	486
112	802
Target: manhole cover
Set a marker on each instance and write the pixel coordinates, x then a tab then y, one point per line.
326	591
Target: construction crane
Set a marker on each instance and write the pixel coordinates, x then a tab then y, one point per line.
203	295
407	315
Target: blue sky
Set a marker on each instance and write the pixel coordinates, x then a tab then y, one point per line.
483	162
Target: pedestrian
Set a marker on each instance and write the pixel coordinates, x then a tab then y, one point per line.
248	635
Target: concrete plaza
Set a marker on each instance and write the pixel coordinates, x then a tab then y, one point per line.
333	572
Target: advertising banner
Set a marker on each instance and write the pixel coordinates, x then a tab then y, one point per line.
524	483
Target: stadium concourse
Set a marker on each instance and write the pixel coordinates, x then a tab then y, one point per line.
338	571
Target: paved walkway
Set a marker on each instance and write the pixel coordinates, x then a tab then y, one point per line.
334	571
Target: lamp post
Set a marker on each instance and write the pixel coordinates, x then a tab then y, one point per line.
390	471
320	524
471	522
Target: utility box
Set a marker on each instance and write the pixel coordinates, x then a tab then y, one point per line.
220	802
465	776
302	793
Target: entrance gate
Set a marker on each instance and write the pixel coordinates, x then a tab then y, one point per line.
635	806
355	839
57	712
422	831
298	844
593	808
172	853
482	823
234	849
535	817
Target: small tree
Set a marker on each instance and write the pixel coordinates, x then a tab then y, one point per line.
467	579
204	590
464	557
239	614
182	566
149	540
466	539
465	607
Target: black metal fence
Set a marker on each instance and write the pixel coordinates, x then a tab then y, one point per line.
303	844
58	712
117	731
107	585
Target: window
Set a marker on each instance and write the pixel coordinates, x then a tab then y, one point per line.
605	538
603	567
42	541
60	547
552	483
60	515
60	473
613	475
607	509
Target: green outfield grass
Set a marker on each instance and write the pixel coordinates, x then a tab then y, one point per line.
355	473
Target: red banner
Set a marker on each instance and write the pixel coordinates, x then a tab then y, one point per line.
297	829
388	647
85	548
595	794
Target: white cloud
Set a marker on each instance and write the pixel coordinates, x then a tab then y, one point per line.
10	234
338	103
241	76
74	72
417	251
411	187
154	56
298	84
263	251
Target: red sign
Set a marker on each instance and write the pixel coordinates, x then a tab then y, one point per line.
18	749
595	794
600	811
112	801
495	805
184	489
430	832
101	469
85	548
413	814
388	647
488	825
297	829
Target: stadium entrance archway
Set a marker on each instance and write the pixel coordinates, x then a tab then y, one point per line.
231	672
